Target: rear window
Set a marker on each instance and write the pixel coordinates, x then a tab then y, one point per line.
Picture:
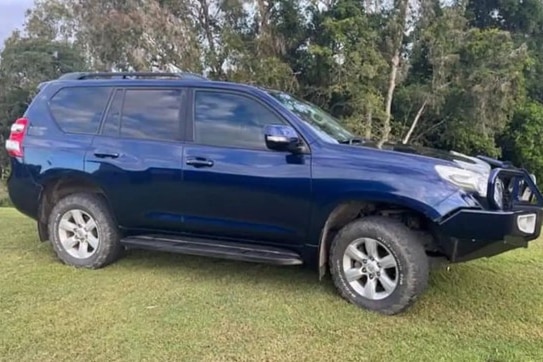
79	109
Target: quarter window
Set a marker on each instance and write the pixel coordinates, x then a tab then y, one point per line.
231	120
79	109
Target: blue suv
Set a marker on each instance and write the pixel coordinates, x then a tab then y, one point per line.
179	163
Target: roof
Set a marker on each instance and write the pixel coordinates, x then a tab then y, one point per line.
148	79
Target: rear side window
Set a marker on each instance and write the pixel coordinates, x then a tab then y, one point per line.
79	109
151	114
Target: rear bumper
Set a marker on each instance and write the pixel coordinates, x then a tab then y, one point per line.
470	234
23	191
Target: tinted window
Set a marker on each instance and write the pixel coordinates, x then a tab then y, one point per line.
113	119
79	110
152	114
230	120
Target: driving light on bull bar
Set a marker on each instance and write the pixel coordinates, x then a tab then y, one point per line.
526	223
498	193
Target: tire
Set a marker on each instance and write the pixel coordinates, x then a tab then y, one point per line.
394	242
92	249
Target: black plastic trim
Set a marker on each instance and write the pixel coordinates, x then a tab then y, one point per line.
125	75
215	248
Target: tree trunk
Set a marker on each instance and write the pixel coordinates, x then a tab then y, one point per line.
394	67
369	125
205	23
415	121
395	64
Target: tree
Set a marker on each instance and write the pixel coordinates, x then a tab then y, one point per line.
25	63
265	51
522	141
396	29
122	35
437	41
489	84
524	20
443	74
344	67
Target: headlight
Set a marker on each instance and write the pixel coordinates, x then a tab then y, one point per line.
465	179
498	193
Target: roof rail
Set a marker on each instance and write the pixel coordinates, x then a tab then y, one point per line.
127	75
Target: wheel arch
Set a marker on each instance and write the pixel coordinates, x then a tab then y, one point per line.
344	211
57	185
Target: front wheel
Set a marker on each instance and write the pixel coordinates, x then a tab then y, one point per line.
378	264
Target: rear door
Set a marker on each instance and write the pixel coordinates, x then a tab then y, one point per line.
233	185
137	156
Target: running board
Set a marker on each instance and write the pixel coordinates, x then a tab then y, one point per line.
214	248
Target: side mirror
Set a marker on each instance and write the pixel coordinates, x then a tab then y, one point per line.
281	138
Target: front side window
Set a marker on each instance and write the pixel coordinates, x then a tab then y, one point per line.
79	109
151	114
231	120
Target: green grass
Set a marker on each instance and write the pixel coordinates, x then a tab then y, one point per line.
152	306
4	198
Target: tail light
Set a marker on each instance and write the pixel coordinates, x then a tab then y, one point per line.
14	145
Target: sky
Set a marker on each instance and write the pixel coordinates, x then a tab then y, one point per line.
12	14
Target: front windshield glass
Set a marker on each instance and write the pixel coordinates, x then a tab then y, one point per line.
325	125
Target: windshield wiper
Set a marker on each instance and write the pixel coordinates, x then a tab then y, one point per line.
352	140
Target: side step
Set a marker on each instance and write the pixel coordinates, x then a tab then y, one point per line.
215	248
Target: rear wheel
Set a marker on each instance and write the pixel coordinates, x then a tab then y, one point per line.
83	231
378	264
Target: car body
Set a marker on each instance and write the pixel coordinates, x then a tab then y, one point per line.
237	171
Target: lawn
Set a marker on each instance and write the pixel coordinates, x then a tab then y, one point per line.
4	198
152	306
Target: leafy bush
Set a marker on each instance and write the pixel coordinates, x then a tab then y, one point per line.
523	141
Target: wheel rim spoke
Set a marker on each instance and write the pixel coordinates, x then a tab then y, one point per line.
387	262
371	247
90	225
67	225
69	243
369	289
353	274
78	217
388	284
354	253
83	250
93	241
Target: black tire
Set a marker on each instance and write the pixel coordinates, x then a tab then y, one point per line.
109	247
408	252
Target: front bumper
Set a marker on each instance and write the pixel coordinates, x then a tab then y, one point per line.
470	233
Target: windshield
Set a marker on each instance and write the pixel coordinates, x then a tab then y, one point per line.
325	125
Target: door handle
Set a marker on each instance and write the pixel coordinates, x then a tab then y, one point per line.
199	162
103	154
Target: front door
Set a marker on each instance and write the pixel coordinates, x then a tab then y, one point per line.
234	186
137	157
